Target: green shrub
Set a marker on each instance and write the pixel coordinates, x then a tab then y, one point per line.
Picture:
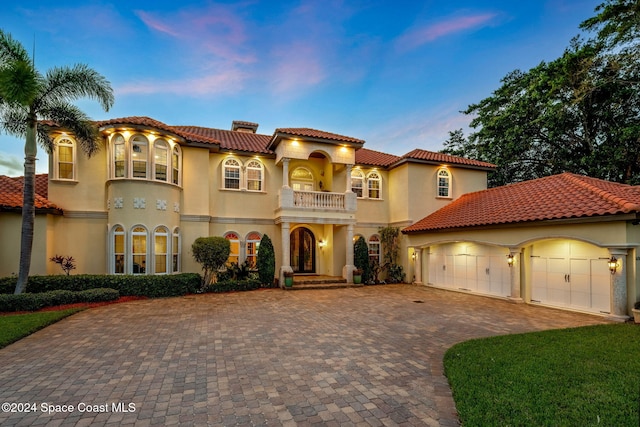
32	302
212	253
232	286
361	258
266	262
138	285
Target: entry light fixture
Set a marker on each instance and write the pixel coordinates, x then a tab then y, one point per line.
322	243
613	265
511	259
413	256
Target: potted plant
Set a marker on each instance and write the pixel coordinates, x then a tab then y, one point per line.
288	279
357	276
636	312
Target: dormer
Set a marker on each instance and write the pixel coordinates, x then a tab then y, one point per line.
240	126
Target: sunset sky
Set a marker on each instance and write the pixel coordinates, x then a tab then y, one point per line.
394	73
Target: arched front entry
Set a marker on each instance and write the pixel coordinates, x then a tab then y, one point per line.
303	250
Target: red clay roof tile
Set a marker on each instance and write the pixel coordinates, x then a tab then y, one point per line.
314	133
230	140
364	156
560	196
432	156
11	194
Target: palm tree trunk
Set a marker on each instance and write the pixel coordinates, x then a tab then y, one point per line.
28	199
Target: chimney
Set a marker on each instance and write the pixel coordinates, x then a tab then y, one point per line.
241	126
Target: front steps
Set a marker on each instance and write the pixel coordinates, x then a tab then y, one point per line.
313	281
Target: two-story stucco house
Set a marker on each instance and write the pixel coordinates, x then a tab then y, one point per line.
138	204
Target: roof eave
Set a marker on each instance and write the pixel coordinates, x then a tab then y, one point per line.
279	136
436	163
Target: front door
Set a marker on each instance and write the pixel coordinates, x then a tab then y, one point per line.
303	250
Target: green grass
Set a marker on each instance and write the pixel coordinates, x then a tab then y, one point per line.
14	327
571	377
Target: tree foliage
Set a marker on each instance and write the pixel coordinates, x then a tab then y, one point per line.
26	98
266	261
578	113
212	253
361	258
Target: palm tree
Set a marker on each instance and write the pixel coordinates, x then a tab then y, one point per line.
27	96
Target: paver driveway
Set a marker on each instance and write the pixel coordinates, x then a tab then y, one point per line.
359	356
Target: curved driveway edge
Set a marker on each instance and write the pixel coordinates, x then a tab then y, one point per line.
354	356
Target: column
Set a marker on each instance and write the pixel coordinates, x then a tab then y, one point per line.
347	271
619	285
285	172
348	172
286	251
417	264
515	270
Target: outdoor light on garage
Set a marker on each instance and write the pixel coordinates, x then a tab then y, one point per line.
613	265
510	259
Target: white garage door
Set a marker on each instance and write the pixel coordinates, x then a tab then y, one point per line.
571	274
470	267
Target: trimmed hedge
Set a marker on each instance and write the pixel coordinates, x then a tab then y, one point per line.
137	285
232	286
36	301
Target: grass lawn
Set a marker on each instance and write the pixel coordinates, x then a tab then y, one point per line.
14	327
570	377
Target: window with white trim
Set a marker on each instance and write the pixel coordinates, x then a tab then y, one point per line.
374	185
139	156
119	156
357	182
160	250
255	175
444	183
302	179
231	174
160	159
175	165
234	252
64	158
175	250
374	249
252	246
139	249
118	254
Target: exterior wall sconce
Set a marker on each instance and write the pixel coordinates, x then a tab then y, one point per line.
613	265
413	256
511	259
322	243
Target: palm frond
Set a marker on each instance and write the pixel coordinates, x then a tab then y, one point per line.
11	50
14	121
71	118
63	84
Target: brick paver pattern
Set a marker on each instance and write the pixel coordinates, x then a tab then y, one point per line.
369	356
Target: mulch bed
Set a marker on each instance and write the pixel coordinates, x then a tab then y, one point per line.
77	305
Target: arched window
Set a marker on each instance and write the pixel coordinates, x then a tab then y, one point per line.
175	165
252	245
374	249
118	156
160	159
64	159
175	251
255	176
302	179
234	253
357	182
444	183
139	249
374	185
139	155
231	171
160	250
118	250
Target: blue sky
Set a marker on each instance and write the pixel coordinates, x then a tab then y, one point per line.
394	73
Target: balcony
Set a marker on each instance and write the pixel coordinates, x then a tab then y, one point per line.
313	203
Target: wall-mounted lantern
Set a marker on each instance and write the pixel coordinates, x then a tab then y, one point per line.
613	265
511	259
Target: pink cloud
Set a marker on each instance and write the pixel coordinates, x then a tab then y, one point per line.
298	67
227	82
422	35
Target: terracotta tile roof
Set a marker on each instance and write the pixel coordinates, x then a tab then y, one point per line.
560	196
149	122
313	133
432	156
230	140
364	156
11	195
42	184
